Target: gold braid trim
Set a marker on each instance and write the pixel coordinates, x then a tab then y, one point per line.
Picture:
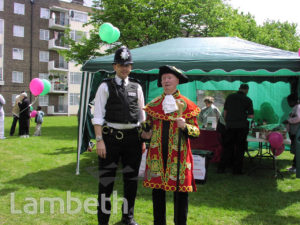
171	116
167	187
193	130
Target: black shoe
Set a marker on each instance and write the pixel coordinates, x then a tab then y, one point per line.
129	221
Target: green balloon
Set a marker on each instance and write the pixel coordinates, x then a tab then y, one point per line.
115	36
47	87
31	108
106	31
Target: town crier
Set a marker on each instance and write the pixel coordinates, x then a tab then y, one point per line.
171	121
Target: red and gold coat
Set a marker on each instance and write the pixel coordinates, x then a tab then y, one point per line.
156	176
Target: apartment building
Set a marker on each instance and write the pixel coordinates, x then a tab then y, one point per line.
30	36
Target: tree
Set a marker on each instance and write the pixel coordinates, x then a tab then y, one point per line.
279	35
143	22
83	50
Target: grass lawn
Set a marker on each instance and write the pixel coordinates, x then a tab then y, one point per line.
37	168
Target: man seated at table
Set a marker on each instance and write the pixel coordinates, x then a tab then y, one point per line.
210	110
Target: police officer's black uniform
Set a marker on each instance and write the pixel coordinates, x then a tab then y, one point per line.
121	144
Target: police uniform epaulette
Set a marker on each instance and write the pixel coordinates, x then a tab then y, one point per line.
134	80
107	79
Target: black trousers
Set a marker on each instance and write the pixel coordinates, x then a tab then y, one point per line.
293	147
235	143
129	151
13	125
159	207
24	126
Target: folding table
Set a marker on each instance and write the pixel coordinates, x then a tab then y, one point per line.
262	142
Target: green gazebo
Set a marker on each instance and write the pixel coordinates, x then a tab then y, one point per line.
218	63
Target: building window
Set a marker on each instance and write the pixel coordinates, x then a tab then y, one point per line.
44	76
1	5
17	77
74	98
44	56
1	26
77	35
45	13
18	53
19	8
79	16
18	31
44	35
1	74
75	77
44	100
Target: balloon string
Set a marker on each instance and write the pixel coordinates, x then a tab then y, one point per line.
35	99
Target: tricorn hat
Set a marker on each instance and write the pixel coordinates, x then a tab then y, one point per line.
171	69
123	56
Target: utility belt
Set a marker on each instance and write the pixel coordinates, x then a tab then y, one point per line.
120	134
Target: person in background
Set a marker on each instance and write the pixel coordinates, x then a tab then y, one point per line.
210	110
2	102
16	114
24	118
293	124
166	124
237	108
118	114
39	118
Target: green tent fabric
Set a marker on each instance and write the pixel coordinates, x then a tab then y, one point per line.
220	63
208	56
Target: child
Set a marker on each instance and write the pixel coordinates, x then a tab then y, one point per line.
293	125
39	120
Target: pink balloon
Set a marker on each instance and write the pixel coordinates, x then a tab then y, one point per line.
275	139
33	113
299	52
278	151
36	86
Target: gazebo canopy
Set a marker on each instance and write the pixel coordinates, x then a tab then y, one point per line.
208	56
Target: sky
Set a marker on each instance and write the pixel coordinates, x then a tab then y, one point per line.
282	10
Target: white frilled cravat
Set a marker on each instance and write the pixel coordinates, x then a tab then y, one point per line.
169	104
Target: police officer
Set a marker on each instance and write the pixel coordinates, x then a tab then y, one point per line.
118	113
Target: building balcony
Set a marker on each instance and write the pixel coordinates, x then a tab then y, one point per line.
58	66
57	110
58	87
58	24
55	8
57	45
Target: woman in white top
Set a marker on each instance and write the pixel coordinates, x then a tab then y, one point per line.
210	110
293	124
2	102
